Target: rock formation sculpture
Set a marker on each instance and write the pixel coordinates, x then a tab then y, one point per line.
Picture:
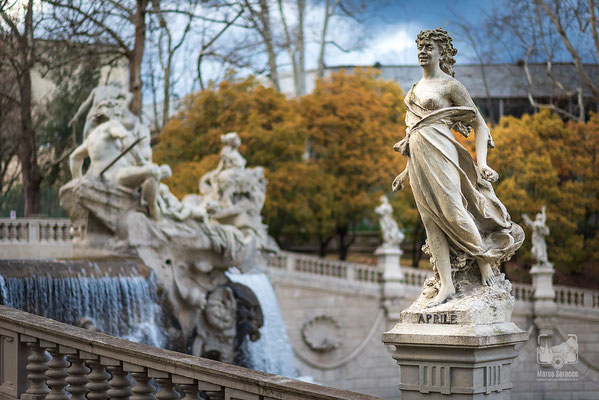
119	207
392	236
469	231
539	231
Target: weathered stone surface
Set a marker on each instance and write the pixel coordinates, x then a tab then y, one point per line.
471	304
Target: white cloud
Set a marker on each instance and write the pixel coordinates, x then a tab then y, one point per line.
392	45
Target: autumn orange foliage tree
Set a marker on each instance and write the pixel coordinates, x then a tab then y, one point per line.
353	120
328	156
543	160
271	131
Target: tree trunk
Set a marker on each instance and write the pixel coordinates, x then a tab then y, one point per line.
27	149
136	55
166	102
329	9
343	245
270	49
301	84
27	152
322	246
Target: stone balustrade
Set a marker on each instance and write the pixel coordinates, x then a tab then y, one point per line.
35	230
35	238
45	359
569	297
575	297
522	291
301	263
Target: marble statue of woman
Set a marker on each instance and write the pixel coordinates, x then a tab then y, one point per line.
459	209
539	231
392	236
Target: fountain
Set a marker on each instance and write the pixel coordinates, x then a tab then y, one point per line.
121	211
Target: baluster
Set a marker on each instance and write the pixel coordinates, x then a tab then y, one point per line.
4	231
57	372
143	388
78	371
65	233
167	388
37	365
188	386
12	232
120	383
214	392
97	386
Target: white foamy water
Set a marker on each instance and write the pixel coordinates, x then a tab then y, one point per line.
125	307
271	353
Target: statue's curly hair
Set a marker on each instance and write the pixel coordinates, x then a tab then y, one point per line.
443	40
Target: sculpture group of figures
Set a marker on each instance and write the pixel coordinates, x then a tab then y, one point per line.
119	205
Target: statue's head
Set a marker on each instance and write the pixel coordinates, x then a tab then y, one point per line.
221	308
539	217
165	171
231	139
384	199
107	109
440	47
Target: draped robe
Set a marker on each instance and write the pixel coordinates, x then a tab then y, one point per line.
448	188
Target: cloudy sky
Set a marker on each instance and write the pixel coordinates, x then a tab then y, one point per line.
390	31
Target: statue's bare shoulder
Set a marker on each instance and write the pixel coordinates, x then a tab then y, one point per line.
457	92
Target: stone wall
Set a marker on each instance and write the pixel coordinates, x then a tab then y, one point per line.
324	295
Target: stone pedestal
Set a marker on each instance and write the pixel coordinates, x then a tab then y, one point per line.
542	282
445	360
388	258
544	306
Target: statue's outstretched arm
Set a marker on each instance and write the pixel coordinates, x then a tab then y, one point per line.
76	160
527	220
482	141
83	107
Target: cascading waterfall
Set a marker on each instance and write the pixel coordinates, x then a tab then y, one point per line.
125	307
272	353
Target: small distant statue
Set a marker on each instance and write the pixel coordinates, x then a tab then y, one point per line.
392	236
112	91
539	231
232	193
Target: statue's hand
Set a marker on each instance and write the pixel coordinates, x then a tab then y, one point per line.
488	174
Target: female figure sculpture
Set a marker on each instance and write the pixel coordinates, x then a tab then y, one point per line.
455	199
539	231
392	236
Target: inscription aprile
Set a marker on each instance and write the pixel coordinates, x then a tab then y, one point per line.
438	318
